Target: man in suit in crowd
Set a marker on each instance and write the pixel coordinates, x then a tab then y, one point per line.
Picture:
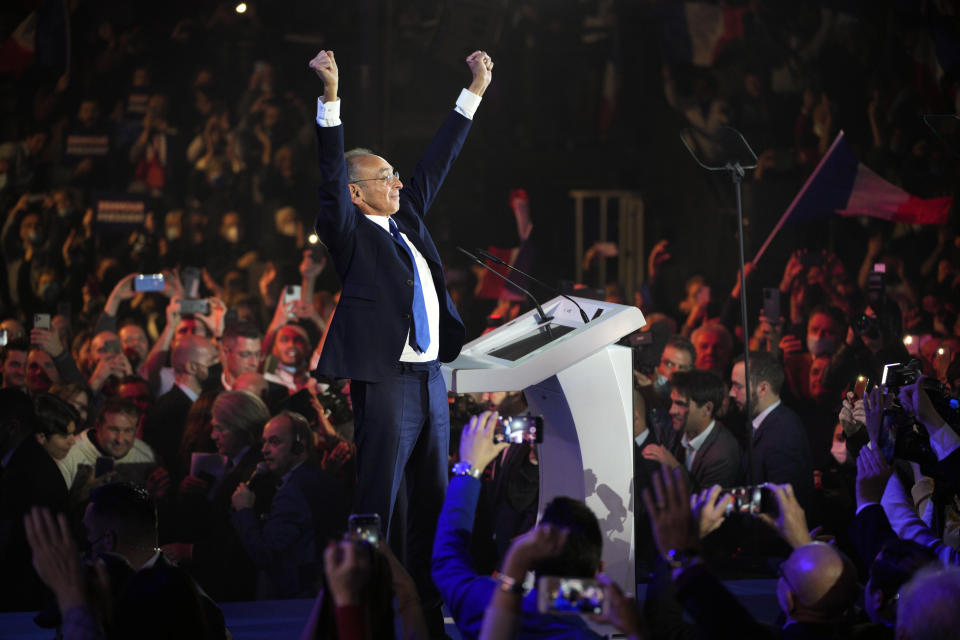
710	454
395	322
308	511
163	428
781	449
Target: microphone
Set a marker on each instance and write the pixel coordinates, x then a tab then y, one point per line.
544	318
493	258
262	469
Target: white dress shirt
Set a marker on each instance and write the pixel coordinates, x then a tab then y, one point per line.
763	415
692	446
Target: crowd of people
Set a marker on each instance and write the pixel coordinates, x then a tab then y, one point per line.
166	442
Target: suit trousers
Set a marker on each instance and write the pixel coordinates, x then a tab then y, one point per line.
402	433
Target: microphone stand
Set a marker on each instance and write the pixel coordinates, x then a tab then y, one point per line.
493	258
544	318
736	172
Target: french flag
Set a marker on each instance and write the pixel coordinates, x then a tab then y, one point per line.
16	52
696	32
842	184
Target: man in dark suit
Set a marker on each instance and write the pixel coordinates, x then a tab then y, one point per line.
163	427
308	511
781	449
395	322
710	454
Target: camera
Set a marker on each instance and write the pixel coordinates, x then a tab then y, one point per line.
902	437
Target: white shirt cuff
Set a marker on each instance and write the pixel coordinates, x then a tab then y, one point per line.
467	103
328	113
944	442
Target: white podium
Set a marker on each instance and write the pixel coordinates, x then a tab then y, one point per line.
582	384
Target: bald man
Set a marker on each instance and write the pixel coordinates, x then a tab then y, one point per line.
817	585
163	427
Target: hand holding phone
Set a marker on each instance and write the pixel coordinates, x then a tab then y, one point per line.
364	527
41	321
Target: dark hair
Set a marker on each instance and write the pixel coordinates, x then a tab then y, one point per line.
700	386
197	429
683	344
581	553
127	508
764	367
896	564
53	415
19	344
830	311
241	329
117	404
301	433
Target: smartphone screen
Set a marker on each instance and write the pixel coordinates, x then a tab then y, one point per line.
517	429
860	387
569	596
148	282
104	466
364	527
291	293
771	304
41	321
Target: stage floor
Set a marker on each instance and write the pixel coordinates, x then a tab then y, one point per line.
284	619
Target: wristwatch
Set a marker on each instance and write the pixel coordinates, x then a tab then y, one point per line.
682	558
466	469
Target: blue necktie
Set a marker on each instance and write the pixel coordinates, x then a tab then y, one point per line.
419	326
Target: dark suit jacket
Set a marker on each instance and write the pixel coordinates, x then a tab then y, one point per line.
781	453
869	531
31	478
308	511
163	428
717	461
376	273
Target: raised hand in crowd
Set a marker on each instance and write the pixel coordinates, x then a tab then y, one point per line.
873	472
852	414
57	560
710	508
658	256
791	521
874	404
48	340
476	442
114	364
325	66
670	513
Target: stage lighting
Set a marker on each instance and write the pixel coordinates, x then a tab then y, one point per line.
908	340
313	239
241	7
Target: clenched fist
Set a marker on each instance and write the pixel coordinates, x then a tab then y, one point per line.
325	66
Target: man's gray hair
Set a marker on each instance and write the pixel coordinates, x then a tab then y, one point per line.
350	157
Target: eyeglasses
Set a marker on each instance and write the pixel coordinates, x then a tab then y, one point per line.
390	177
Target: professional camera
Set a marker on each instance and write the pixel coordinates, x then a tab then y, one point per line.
910	440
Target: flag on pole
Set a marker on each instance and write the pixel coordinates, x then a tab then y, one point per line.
843	185
16	52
